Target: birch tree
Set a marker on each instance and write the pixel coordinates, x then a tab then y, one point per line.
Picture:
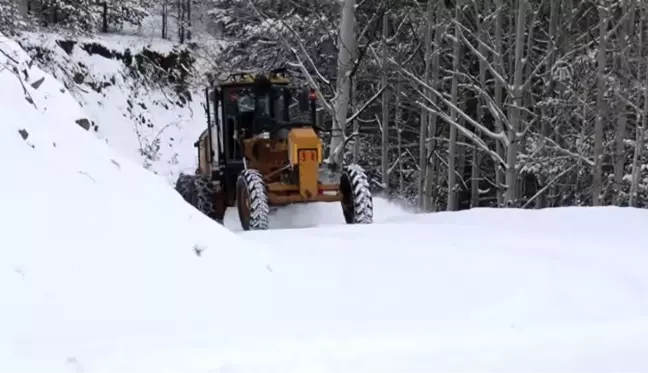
346	46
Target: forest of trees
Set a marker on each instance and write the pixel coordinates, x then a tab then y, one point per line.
448	104
89	16
525	103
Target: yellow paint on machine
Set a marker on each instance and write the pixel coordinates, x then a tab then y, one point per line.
306	153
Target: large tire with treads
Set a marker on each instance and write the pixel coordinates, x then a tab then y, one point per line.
204	198
200	193
185	186
357	202
252	200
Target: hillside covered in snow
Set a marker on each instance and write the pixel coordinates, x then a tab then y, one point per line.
142	96
94	245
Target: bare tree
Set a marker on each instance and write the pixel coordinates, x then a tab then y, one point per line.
385	106
452	147
346	46
601	105
642	120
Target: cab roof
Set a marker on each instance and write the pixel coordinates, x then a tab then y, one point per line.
249	78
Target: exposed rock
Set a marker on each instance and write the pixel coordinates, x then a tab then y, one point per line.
23	133
38	83
79	78
84	123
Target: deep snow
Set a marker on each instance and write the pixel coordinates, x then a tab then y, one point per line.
99	255
99	272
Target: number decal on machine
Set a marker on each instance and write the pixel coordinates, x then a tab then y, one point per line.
308	155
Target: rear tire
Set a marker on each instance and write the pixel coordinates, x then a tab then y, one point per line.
185	186
205	198
252	200
200	193
357	202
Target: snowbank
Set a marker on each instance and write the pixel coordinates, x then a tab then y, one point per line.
99	256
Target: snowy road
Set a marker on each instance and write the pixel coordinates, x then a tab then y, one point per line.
477	290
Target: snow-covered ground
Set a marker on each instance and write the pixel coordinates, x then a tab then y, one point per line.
481	290
99	272
316	215
142	122
98	256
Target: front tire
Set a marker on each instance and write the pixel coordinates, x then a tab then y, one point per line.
252	201
357	201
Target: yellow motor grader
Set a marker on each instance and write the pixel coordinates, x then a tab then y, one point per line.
261	148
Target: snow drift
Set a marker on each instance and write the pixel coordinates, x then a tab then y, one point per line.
98	253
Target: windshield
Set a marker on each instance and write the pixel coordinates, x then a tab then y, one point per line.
280	103
288	98
246	103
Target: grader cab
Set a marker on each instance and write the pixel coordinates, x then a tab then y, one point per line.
261	148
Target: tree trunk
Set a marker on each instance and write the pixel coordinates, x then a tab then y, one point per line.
602	111
499	100
188	6
541	202
181	21
165	14
474	174
104	17
642	124
639	145
452	146
625	32
385	108
512	151
425	149
356	124
346	42
398	125
432	176
353	104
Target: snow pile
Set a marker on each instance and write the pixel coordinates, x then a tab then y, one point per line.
99	259
117	79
